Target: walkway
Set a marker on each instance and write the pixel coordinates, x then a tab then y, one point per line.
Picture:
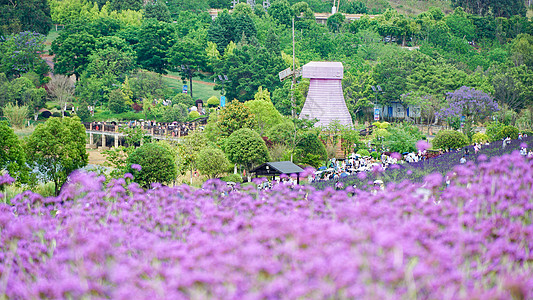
161	131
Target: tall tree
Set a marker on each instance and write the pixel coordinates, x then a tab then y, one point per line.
245	147
247	69
72	52
24	15
157	10
188	56
155	40
56	148
281	11
61	88
234	117
19	54
222	31
126	4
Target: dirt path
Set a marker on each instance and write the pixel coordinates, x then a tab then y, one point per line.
96	157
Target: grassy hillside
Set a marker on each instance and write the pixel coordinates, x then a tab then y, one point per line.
415	7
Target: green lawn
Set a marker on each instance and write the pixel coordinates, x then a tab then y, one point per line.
200	91
52	35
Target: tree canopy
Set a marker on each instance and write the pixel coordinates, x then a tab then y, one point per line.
56	148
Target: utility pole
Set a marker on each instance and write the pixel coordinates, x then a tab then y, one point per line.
293	111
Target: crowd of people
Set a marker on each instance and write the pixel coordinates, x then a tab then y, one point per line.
355	163
174	129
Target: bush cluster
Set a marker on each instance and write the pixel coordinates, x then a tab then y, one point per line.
449	139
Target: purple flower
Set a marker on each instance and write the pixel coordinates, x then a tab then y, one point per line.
422	145
136	167
6	179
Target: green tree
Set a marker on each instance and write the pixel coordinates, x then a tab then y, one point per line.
126	4
358	94
116	102
24	15
233	117
188	56
248	68
19	54
522	50
222	31
147	85
189	148
83	112
245	147
244	27
335	22
155	40
281	12
157	161
157	10
56	148
212	162
264	111
355	7
71	11
72	52
310	150
12	156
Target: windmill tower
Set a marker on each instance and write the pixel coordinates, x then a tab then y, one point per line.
325	99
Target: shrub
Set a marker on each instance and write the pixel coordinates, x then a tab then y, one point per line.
158	164
212	162
480	138
403	138
16	115
381	125
213	101
528	132
493	130
233	178
311	144
375	155
194	114
508	131
116	102
183	98
450	139
363	152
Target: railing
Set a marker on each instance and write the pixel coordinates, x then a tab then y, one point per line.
155	129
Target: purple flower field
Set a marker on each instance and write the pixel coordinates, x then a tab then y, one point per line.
417	171
473	240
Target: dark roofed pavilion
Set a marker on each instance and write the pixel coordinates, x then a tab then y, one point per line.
276	168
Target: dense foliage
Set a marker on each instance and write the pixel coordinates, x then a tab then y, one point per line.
151	163
56	148
449	139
